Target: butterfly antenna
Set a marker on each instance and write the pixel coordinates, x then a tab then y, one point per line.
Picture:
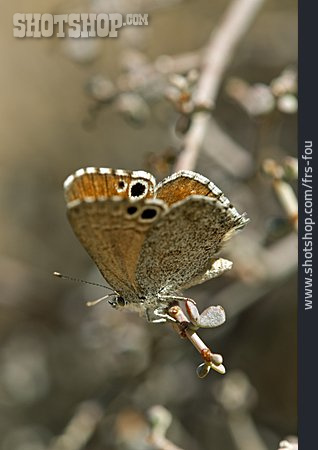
78	280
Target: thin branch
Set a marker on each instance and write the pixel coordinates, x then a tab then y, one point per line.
214	360
244	432
218	54
160	419
283	189
288	200
80	428
234	159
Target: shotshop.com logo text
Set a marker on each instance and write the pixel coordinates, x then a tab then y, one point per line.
74	25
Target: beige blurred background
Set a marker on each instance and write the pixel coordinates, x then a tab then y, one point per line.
55	353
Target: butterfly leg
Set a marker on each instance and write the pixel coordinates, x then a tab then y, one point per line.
157	316
152	317
161	320
164	316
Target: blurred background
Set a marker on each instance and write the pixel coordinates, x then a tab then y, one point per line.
73	377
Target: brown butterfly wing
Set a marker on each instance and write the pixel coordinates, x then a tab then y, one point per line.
179	247
113	237
105	183
182	184
112	228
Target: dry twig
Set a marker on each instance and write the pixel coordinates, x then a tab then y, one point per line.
80	428
219	51
211	360
160	419
283	190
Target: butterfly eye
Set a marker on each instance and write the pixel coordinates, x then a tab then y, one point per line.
120	301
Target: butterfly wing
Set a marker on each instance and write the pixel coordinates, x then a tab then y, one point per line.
182	184
102	182
185	183
112	228
218	266
180	245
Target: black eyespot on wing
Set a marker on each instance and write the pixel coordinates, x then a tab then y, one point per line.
131	210
121	184
137	190
149	213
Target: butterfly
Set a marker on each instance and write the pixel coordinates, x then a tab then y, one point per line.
150	241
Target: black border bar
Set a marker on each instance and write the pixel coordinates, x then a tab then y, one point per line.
308	197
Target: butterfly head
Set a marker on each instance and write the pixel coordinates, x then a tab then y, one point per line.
118	302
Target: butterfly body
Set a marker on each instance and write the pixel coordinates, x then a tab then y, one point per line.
150	242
